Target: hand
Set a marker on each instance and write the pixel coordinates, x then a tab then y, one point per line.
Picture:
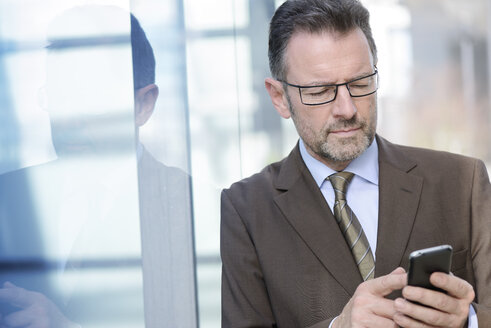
368	307
445	310
36	310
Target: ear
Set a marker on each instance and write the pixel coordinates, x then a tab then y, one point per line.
145	99
278	96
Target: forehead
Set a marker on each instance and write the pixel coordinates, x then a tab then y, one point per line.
327	57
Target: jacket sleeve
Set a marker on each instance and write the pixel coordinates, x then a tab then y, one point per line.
245	301
481	243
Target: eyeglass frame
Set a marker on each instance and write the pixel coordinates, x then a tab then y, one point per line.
337	85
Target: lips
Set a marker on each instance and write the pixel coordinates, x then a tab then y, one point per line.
346	132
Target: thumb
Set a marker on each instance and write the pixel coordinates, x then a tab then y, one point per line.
398	270
384	285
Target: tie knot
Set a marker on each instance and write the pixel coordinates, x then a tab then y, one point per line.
340	182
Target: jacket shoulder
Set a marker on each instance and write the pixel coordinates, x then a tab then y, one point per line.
424	159
262	182
438	158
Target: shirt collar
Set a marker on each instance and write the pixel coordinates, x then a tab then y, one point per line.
364	166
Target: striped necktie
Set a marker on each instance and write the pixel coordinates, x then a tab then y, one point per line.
351	227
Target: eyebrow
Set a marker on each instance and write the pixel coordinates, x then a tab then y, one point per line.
323	83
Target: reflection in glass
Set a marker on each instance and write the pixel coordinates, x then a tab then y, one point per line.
101	236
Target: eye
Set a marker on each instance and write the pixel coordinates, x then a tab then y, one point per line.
318	91
363	83
359	85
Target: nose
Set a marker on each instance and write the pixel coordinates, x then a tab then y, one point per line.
344	106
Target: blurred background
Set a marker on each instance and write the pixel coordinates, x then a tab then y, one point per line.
213	121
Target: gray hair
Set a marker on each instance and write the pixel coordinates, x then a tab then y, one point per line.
314	16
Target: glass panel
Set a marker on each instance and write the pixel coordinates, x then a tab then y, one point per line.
96	207
93	226
230	115
164	173
215	14
70	166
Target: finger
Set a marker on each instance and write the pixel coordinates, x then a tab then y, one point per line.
376	321
384	308
19	319
429	316
387	284
398	270
434	299
455	286
408	322
16	296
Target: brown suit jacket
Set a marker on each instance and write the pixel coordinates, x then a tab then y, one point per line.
286	263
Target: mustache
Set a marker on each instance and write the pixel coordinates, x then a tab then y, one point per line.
343	124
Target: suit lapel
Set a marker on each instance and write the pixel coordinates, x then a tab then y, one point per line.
399	196
305	208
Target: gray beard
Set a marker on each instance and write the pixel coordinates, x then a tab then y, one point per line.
333	153
344	150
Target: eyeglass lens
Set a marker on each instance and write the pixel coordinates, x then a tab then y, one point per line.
323	94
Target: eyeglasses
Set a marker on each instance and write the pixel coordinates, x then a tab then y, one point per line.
313	95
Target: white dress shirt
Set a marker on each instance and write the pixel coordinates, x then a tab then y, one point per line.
362	194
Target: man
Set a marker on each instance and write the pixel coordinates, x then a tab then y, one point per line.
163	193
286	260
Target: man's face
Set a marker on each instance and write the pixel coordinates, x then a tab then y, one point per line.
90	99
339	131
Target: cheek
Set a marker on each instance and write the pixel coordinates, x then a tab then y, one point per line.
367	108
315	119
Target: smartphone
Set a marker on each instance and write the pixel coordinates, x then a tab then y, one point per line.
423	262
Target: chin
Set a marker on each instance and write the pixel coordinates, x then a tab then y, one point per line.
345	150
